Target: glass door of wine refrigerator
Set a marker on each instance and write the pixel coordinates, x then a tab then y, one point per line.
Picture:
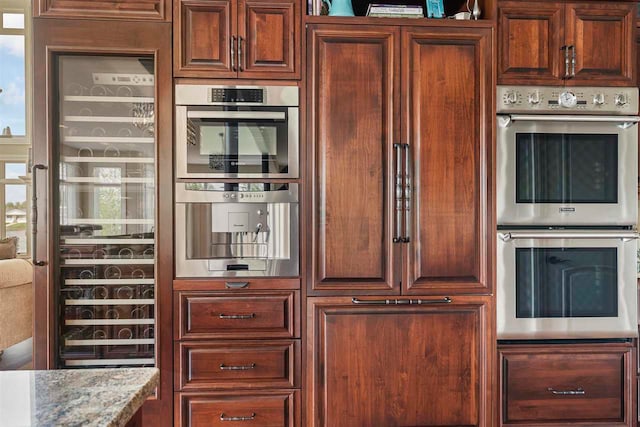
105	189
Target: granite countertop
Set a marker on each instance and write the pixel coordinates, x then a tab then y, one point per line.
74	397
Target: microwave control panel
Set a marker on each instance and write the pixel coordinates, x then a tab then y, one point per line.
567	100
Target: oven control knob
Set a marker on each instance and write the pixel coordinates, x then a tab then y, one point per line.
534	98
510	97
598	99
568	99
620	99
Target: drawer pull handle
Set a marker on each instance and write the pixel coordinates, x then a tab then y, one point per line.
224	367
249	418
579	392
236	285
445	300
237	316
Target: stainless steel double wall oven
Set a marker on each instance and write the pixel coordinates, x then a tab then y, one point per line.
567	167
236	155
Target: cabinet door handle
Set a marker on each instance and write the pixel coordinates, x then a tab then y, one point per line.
566	61
249	418
236	285
34	215
445	300
233	53
237	316
573	60
578	392
224	367
240	56
407	193
397	238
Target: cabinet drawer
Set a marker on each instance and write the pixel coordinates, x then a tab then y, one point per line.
264	409
245	364
556	384
224	315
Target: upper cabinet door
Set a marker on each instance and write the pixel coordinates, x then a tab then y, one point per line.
446	113
155	10
203	45
603	46
268	34
530	43
353	91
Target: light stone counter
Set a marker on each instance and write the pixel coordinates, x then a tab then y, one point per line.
78	397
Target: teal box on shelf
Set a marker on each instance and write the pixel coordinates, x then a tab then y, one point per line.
435	9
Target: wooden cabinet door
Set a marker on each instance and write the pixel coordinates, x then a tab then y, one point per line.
530	43
447	124
352	100
602	36
408	365
269	39
148	10
202	45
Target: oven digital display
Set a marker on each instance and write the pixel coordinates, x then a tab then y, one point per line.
237	95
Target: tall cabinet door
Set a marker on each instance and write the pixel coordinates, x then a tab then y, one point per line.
446	114
602	36
102	252
393	365
268	34
353	82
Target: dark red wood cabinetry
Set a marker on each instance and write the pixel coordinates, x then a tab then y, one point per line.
154	10
253	39
574	44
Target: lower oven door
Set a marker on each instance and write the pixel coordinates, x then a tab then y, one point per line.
567	284
567	170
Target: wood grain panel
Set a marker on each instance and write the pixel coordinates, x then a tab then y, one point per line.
602	374
602	34
271	38
155	10
397	366
202	38
264	409
353	84
237	365
446	85
530	40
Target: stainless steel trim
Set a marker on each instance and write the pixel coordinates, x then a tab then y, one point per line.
237	316
569	234
236	285
397	238
260	115
184	195
224	367
511	327
233	54
240	56
34	214
249	418
407	193
199	94
100	362
578	392
445	300
573	118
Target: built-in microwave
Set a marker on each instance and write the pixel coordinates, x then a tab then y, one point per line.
236	131
567	157
566	284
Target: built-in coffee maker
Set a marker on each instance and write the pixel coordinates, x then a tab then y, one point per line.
237	229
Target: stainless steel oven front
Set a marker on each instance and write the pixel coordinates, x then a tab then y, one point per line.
567	157
237	131
564	284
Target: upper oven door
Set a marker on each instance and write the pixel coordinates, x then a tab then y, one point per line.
567	284
236	142
567	170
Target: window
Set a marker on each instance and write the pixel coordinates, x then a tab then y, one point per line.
15	120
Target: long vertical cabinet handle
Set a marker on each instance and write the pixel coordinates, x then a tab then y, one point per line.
240	56
407	193
565	49
397	237
34	214
233	53
573	60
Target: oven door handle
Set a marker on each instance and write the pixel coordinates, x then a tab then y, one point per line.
621	234
504	121
259	115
